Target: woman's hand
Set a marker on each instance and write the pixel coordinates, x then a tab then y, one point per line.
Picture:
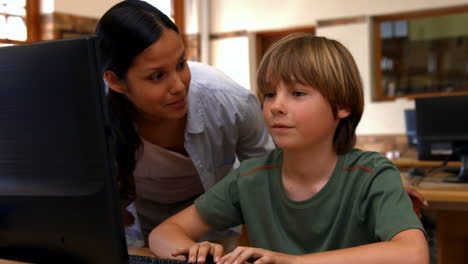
256	256
198	252
417	198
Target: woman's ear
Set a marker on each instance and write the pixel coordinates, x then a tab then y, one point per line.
114	82
343	113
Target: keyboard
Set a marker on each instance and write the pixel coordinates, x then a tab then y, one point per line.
134	259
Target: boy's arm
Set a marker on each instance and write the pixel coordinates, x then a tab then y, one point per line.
407	247
178	232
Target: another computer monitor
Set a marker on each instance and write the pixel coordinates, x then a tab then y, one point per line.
442	130
58	191
410	122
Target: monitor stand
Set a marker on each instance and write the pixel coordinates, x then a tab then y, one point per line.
462	176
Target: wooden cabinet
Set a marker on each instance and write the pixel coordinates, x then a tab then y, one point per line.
419	54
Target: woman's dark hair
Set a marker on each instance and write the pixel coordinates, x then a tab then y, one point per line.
123	32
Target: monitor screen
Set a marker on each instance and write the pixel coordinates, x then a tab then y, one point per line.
59	199
442	128
410	122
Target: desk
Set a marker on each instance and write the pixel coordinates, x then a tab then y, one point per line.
141	252
450	203
411	163
132	251
451	207
10	262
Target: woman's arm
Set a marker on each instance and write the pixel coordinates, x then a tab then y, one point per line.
407	247
417	199
179	232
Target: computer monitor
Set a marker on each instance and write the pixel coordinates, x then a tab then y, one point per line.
442	130
58	191
410	122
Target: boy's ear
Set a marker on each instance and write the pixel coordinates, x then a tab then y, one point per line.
114	82
343	113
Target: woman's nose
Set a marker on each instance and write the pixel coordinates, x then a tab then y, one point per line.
178	84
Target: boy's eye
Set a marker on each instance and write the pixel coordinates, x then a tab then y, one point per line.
268	95
157	76
298	93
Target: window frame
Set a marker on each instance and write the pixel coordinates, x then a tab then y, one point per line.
376	21
178	14
32	24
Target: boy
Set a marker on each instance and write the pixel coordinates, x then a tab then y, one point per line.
313	199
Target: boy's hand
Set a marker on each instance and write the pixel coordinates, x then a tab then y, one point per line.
198	252
256	256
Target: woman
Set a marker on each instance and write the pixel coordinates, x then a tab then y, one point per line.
178	126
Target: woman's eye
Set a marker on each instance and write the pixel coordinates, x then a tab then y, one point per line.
181	65
157	76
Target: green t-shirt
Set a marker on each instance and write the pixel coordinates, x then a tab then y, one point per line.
363	202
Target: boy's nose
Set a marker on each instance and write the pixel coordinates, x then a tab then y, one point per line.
278	106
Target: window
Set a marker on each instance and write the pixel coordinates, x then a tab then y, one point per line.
421	54
173	9
18	21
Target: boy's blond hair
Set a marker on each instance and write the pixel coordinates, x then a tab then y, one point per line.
327	66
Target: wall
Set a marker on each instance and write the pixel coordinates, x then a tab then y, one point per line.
46	6
224	51
86	8
380	118
229	15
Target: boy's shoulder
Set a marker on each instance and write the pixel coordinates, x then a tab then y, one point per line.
369	161
366	172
